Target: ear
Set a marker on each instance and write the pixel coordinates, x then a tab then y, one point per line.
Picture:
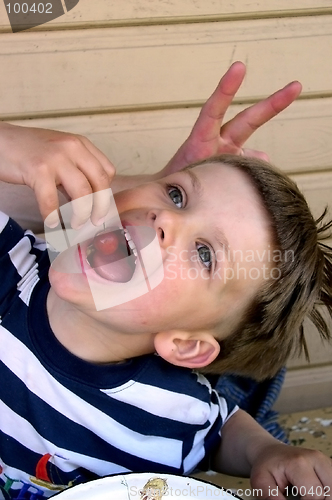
187	349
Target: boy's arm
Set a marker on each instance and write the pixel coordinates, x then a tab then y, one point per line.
248	450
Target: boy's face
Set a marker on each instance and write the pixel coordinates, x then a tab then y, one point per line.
215	239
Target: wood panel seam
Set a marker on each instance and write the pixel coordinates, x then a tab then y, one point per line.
168	20
243	101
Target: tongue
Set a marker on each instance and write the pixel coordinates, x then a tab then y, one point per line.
111	258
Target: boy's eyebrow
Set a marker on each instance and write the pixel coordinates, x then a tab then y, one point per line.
195	182
197	187
222	240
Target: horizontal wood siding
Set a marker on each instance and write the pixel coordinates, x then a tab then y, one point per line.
99	70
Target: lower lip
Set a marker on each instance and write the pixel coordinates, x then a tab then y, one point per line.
81	258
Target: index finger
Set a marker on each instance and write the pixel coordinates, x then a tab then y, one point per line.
244	124
212	113
105	163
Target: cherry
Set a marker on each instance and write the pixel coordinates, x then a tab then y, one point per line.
106	243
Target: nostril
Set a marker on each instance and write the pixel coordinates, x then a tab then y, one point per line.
162	234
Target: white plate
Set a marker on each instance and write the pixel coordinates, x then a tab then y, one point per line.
145	486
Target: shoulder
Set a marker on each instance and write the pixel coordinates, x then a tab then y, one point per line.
161	374
174	392
22	257
12	235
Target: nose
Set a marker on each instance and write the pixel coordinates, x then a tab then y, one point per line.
167	224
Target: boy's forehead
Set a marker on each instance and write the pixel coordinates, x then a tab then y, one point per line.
229	192
212	174
219	169
217	180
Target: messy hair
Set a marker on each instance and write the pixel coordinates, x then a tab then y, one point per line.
272	326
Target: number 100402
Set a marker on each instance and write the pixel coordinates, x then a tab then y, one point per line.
24	8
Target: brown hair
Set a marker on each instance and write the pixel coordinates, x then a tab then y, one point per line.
272	327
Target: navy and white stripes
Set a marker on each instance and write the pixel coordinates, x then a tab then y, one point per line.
63	420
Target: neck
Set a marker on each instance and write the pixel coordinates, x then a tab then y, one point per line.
90	339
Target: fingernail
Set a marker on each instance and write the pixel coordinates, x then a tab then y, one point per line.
52	220
77	226
100	222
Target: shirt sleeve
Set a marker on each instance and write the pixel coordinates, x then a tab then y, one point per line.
19	254
221	411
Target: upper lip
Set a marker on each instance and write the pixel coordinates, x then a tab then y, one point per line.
130	228
130	242
138	239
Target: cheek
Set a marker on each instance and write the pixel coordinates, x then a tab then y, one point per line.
174	297
130	199
122	199
184	273
159	303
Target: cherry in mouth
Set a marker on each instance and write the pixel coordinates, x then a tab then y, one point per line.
106	243
111	257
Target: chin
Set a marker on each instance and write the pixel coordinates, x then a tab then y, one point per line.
72	288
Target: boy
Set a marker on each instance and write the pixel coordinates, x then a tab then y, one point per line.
84	393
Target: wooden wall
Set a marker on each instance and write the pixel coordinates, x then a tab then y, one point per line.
131	75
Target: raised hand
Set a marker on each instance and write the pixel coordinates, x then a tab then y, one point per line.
210	136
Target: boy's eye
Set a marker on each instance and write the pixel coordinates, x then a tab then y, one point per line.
204	254
176	196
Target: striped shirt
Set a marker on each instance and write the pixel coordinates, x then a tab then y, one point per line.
63	420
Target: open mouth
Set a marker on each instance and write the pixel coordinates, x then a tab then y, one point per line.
113	255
